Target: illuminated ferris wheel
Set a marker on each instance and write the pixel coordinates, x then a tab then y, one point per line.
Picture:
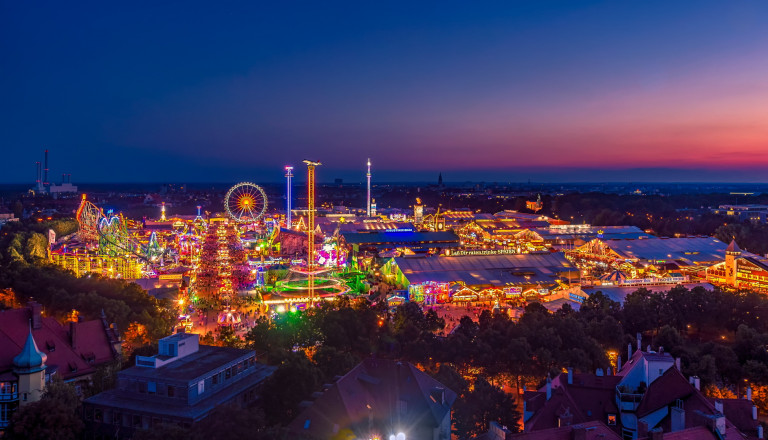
245	202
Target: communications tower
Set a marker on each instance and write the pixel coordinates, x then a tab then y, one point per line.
368	199
311	226
162	212
288	175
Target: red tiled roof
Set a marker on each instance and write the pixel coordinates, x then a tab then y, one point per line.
664	391
701	433
739	412
589	398
593	431
53	339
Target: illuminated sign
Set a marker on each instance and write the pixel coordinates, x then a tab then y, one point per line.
484	252
399	230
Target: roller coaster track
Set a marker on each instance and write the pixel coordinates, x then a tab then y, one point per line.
106	228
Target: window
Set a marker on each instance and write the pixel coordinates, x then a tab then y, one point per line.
227	373
97	416
611	419
142	387
171	391
117	419
215	379
201	387
152	387
136	420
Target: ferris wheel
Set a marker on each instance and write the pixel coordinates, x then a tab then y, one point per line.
245	202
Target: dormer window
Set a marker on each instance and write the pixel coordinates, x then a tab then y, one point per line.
51	345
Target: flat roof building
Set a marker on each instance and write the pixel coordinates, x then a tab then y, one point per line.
182	384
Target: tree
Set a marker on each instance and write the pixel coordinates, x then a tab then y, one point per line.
227	337
295	379
55	416
484	404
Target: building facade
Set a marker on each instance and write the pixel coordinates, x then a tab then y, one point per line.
182	384
34	348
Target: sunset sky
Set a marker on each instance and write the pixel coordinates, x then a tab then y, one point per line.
513	90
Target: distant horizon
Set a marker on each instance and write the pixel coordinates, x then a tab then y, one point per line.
384	178
561	91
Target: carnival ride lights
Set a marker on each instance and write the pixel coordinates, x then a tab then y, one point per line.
311	224
245	202
288	176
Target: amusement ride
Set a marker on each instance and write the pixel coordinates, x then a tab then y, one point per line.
246	202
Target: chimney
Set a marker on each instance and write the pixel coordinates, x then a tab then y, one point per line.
629	351
73	334
677	418
642	429
677	364
656	434
570	375
639	341
719	406
618	364
754	412
579	432
749	393
760	431
599	372
549	388
37	314
694	380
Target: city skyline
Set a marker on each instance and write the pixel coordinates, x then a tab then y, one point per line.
551	91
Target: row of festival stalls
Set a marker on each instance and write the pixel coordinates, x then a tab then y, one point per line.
646	261
501	277
500	234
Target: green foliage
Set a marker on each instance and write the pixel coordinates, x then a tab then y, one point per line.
60	291
55	416
474	411
227	337
294	380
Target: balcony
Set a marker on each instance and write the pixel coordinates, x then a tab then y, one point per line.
626	401
9	397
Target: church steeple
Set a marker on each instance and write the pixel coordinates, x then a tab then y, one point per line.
31	359
29	366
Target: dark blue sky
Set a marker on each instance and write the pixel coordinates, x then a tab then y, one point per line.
553	91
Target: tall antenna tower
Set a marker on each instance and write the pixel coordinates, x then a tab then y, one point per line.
288	175
38	181
45	177
368	176
311	226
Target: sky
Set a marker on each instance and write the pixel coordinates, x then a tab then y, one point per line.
553	91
